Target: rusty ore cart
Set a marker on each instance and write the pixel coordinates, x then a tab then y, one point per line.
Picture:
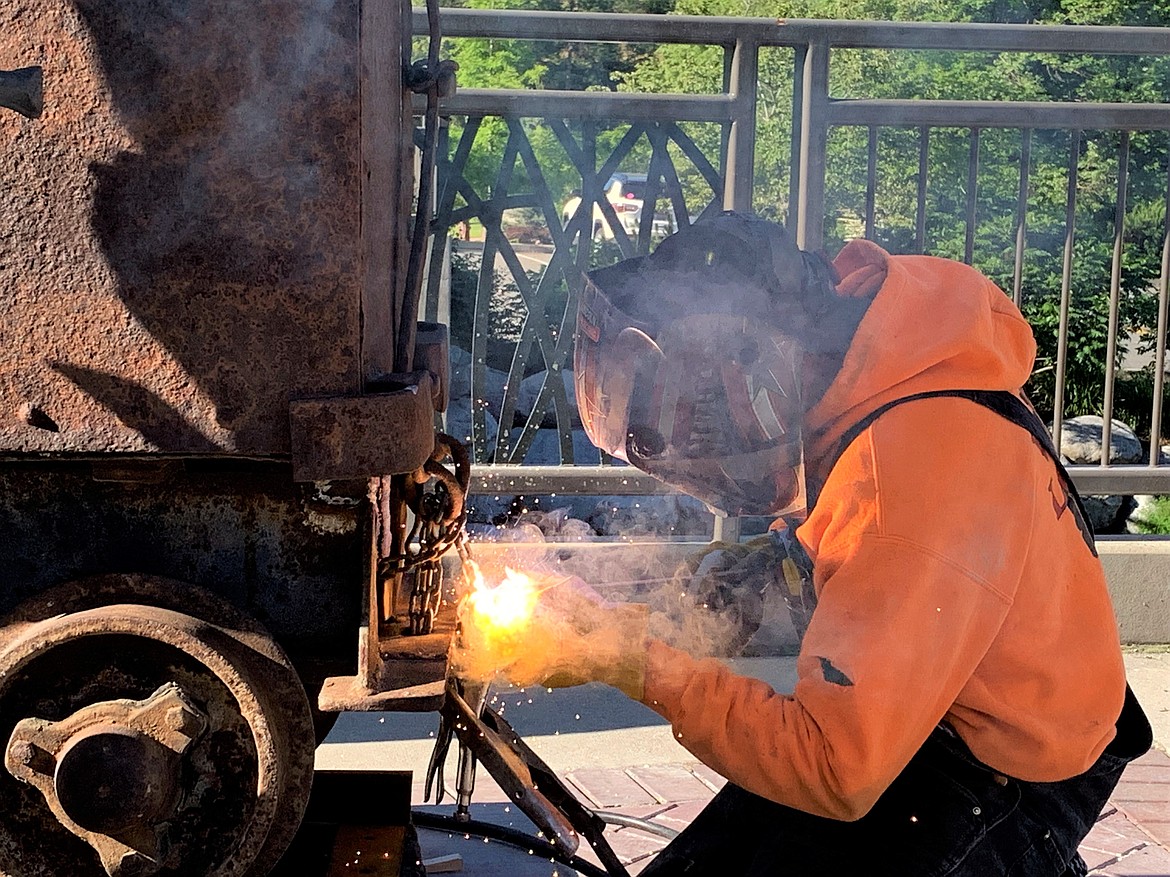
211	386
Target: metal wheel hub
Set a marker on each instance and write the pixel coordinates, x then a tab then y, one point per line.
144	741
110	772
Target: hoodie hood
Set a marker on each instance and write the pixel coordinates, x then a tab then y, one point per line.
933	324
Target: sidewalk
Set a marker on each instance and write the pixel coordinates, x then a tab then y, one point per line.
620	757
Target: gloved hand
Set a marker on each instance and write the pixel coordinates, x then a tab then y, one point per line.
574	636
729	580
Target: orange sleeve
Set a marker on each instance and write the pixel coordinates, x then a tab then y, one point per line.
906	612
877	672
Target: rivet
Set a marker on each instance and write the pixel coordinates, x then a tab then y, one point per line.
976	810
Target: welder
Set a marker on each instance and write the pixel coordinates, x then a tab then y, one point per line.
961	705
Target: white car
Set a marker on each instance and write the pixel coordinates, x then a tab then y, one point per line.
625	192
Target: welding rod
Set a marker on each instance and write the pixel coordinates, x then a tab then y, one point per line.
20	90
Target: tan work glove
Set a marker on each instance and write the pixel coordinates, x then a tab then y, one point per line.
573	637
728	579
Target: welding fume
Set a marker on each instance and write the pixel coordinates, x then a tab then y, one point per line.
961	705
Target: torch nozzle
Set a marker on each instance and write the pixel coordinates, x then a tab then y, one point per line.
20	90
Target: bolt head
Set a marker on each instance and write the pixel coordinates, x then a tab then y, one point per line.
176	718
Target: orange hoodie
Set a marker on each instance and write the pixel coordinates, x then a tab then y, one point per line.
953	584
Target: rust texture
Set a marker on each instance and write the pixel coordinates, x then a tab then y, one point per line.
350	437
289	555
245	777
180	229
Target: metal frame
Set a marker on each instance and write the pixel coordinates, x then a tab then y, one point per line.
815	113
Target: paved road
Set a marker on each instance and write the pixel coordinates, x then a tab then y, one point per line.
534	257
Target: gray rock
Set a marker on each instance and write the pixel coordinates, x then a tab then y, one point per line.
545	449
459	422
558	526
491	394
1103	511
646	517
1140	521
1080	441
530	389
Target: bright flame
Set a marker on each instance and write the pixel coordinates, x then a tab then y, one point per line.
506	607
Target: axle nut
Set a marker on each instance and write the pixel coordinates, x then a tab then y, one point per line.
176	718
112	779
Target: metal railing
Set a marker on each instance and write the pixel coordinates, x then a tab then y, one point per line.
659	130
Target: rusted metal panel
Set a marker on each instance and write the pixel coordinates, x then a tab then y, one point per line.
181	249
290	556
387	161
356	436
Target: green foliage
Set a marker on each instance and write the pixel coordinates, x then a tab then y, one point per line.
1155	517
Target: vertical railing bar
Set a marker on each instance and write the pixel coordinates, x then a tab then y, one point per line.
1114	297
799	59
871	182
920	214
725	128
441	224
1070	215
741	150
1160	347
658	157
972	196
810	226
1022	216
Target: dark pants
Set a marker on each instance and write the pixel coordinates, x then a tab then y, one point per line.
945	814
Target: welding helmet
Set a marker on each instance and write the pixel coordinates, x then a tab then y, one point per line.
687	362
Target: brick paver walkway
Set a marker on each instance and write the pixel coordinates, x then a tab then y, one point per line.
1132	838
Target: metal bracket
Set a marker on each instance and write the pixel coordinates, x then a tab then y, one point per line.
360	436
529	783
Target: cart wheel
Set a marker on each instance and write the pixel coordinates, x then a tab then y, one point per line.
141	740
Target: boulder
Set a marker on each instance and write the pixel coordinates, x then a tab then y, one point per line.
530	389
458	423
651	517
558	526
1080	441
1103	511
545	449
1138	521
491	394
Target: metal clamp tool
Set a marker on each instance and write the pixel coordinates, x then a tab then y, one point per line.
529	783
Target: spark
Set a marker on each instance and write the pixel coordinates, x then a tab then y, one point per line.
506	607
